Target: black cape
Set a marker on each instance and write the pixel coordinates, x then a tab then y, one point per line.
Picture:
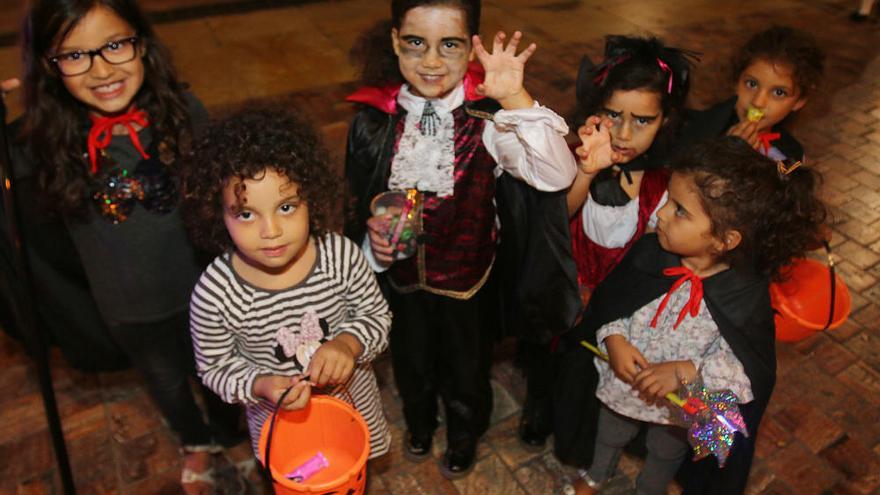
714	121
67	315
739	303
534	265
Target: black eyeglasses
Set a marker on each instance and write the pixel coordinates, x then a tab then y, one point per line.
80	61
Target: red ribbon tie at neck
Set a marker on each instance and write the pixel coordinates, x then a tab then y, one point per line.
766	139
693	304
102	132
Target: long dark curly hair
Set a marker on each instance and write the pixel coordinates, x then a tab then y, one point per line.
372	52
55	124
634	63
778	214
243	145
785	45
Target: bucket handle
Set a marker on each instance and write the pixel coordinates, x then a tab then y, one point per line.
831	271
274	419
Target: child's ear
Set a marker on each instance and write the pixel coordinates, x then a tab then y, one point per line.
799	104
395	42
732	239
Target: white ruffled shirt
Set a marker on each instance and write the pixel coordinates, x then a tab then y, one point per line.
527	143
613	226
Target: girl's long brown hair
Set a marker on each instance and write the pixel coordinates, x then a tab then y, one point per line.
55	124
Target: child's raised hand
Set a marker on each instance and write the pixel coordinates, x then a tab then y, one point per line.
747	131
333	362
504	70
657	380
383	251
595	152
626	361
272	387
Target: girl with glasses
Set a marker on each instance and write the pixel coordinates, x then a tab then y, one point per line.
105	122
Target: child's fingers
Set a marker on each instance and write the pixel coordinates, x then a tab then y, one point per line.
481	89
298	397
640	360
514	42
527	53
479	49
293	400
498	42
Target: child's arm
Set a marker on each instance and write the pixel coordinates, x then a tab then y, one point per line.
525	139
657	380
365	332
594	154
219	363
719	368
624	358
272	387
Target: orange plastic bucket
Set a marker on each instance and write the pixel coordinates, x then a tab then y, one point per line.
803	301
328	425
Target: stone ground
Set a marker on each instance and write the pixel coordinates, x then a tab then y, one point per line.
821	433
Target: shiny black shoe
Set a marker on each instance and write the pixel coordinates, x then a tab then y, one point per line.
417	447
532	437
458	461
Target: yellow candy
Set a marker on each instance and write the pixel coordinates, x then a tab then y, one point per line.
754	115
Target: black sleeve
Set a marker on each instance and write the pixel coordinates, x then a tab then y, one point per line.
367	161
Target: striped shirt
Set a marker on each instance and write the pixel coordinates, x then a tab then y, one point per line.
234	326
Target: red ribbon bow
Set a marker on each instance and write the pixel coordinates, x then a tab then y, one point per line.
665	68
767	138
693	304
102	132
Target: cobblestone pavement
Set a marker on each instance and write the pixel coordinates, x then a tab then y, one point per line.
821	433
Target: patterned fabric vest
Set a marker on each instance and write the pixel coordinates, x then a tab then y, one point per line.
460	235
595	262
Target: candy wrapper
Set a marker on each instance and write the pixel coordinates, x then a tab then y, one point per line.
309	468
712	419
403	227
754	114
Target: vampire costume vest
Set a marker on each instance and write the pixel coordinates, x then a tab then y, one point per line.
595	262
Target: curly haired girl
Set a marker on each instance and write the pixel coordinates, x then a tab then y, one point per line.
286	303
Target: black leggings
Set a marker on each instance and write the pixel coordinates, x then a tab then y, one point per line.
163	353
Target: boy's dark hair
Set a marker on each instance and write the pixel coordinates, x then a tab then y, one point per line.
372	52
632	63
242	146
785	45
55	124
778	214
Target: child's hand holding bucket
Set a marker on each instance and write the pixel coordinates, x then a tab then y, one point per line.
272	387
334	361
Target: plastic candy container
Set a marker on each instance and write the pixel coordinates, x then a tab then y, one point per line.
403	225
